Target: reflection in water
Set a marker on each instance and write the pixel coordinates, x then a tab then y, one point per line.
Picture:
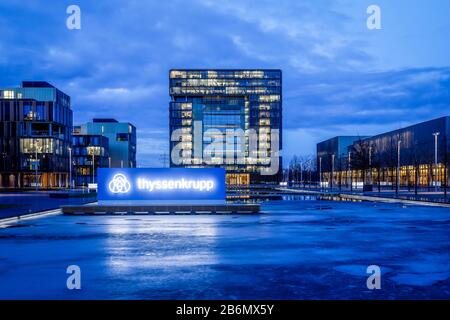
136	244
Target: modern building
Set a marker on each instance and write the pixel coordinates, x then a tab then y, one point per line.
35	131
332	156
89	152
415	156
208	106
121	140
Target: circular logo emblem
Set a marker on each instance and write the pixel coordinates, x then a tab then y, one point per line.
119	184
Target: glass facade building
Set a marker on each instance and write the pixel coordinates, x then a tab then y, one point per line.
35	134
207	104
121	140
420	152
89	152
332	155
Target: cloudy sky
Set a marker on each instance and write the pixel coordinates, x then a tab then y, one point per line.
339	78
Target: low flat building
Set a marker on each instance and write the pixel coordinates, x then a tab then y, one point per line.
414	156
332	155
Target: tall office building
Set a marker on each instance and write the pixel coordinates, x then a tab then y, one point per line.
207	104
35	130
121	140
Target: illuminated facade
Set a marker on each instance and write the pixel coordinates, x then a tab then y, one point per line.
89	152
374	160
35	131
210	103
121	140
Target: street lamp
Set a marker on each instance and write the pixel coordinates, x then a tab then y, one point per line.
70	167
93	167
36	164
436	134
332	170
370	165
91	151
398	166
350	178
320	172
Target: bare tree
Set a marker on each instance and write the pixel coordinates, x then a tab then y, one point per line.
360	156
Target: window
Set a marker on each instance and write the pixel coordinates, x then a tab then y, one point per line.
122	137
8	94
42	145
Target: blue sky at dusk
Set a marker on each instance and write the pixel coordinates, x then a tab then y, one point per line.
339	78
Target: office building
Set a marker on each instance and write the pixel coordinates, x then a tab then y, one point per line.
332	155
89	152
35	131
121	140
206	105
415	156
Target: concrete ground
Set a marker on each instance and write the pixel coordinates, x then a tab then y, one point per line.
300	248
21	203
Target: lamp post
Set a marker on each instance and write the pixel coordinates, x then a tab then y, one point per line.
398	166
320	172
109	162
70	167
332	170
350	170
36	164
93	167
91	151
301	174
436	134
370	165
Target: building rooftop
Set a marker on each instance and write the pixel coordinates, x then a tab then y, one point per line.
36	84
105	120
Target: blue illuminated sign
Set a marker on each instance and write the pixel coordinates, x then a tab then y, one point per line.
162	185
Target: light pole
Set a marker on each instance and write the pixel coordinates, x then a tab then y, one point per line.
109	162
370	165
70	167
91	151
436	134
332	170
398	166
320	172
301	174
93	167
36	164
350	171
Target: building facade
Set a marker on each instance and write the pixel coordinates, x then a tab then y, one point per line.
332	154
89	152
121	140
230	119
35	135
415	156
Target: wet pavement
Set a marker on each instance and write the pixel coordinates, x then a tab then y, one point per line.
21	203
297	249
